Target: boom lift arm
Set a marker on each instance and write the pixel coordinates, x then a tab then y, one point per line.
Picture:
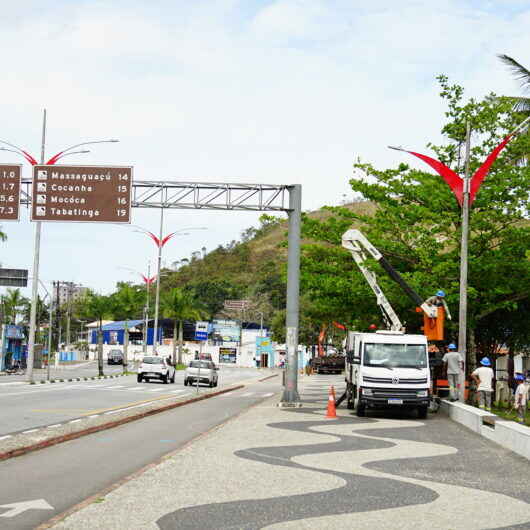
356	242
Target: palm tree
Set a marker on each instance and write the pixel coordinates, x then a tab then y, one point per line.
13	302
126	303
523	76
180	305
97	307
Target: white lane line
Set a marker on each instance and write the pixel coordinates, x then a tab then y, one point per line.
31	430
247	394
268	394
93	416
177	391
117	386
6	436
75	421
135	388
157	390
54	426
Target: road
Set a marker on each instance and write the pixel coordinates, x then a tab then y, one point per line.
85	369
25	407
291	469
68	473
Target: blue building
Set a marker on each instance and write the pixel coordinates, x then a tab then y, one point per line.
12	348
114	332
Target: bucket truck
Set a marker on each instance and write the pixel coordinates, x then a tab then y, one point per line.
388	368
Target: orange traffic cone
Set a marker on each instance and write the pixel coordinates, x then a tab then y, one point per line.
331	412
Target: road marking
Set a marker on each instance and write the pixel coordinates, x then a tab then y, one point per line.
93	416
31	430
6	436
20	507
177	391
117	386
157	390
268	394
75	421
247	394
54	426
228	394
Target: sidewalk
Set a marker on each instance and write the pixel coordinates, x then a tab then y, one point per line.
292	468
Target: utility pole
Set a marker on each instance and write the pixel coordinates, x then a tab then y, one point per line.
157	296
290	397
462	313
69	286
35	284
50	324
146	326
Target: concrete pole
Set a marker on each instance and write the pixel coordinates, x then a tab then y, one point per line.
157	296
35	284
50	323
68	313
146	325
462	314
290	395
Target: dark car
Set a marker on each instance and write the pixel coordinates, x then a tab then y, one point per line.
115	357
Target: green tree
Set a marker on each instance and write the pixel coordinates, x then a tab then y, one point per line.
126	304
415	223
97	307
14	303
523	76
180	305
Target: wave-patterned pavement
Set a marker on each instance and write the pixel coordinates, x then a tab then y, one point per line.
273	468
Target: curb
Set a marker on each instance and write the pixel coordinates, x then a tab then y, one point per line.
105	426
268	377
135	474
63	380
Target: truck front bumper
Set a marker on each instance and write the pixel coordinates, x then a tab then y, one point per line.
382	397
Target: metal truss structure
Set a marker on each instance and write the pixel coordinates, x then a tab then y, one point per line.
201	195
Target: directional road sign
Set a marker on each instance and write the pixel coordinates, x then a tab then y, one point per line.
9	191
82	194
14	277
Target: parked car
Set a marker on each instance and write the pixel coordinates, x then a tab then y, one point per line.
201	371
115	357
156	368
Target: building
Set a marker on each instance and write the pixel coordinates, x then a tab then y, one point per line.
68	291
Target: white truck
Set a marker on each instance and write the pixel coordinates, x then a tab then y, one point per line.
387	369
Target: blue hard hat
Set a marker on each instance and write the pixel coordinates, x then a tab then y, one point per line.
485	361
440	293
519	377
452	346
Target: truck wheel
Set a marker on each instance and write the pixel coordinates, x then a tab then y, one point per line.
139	378
422	412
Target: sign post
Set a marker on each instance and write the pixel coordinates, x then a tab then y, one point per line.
81	194
10	192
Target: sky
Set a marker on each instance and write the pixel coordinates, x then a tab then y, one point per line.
261	91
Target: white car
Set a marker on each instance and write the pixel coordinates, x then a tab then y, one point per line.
156	368
202	372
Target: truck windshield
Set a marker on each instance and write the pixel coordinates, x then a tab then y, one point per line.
395	355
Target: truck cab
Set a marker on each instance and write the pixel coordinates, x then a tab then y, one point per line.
387	369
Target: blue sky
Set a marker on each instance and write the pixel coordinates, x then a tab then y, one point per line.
280	91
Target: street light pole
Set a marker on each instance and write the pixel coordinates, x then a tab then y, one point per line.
35	284
462	312
157	295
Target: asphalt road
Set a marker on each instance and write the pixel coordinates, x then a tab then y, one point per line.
26	407
63	475
86	369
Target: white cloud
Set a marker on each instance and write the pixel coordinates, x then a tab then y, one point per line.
280	91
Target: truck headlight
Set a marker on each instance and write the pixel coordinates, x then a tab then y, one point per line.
423	393
367	392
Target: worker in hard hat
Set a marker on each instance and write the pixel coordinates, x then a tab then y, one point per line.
454	364
438	300
483	376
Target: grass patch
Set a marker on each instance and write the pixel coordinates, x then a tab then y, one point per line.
510	414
